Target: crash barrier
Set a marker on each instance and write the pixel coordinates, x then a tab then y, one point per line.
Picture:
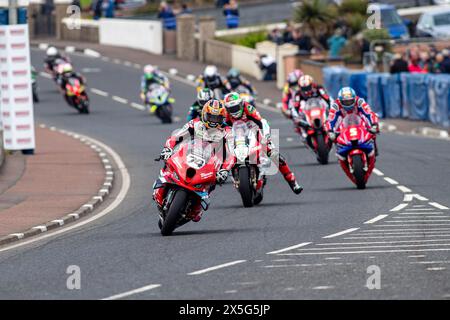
414	96
136	34
2	151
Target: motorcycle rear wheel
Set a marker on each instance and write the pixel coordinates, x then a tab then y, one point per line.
358	172
322	149
174	212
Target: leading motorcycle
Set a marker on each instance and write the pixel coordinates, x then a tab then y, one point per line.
76	96
355	149
187	178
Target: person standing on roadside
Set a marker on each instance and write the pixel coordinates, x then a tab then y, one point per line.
166	14
98	9
231	12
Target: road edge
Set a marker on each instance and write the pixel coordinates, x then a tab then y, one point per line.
86	208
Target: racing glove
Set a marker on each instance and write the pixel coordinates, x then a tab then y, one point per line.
374	129
221	176
332	135
166	153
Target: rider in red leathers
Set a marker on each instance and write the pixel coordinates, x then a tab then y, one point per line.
346	103
209	127
237	109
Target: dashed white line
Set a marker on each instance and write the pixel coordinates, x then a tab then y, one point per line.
137	106
323	288
364	251
290	248
132	292
99	92
377	218
220	266
378	172
404	189
340	233
119	99
391	181
378	242
436	268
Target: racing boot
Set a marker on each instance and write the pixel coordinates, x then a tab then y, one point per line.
289	176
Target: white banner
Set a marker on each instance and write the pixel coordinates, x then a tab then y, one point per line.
16	98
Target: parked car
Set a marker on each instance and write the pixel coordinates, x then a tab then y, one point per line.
391	20
434	24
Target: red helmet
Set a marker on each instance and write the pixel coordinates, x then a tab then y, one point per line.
306	85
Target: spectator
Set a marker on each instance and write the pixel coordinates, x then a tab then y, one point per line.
231	12
268	66
275	36
185	9
109	8
302	40
363	44
166	14
399	64
425	61
336	43
437	66
98	9
287	34
414	66
445	65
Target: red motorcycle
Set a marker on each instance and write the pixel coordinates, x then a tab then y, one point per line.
316	137
187	178
76	95
355	149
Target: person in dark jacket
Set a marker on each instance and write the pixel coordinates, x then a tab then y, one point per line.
399	64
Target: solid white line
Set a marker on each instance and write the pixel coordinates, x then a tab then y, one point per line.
429	262
404	189
99	92
137	106
125	177
415	216
439	206
420	209
378	242
385	246
378	172
340	233
323	288
377	218
391	181
414	225
409	232
119	99
132	292
363	251
290	248
399	207
420	213
417	256
423	220
398	237
435	268
216	267
375	231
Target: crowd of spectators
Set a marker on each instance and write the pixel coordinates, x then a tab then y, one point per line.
422	60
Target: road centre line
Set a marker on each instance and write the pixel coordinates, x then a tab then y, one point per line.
378	172
119	99
390	180
404	189
377	218
137	106
99	92
220	266
133	292
289	248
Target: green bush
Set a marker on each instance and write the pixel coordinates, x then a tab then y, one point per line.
353	7
247	40
376	34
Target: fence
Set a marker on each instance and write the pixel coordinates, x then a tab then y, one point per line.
411	96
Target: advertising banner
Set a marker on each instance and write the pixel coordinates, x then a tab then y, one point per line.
16	99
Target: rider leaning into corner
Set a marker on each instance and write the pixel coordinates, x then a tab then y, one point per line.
52	55
308	89
211	79
237	109
152	76
209	127
349	103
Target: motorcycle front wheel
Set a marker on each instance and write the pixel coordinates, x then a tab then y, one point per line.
322	149
173	215
358	171
245	188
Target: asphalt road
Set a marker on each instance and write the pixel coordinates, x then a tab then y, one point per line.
124	250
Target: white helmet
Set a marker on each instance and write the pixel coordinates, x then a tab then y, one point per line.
52	51
210	71
149	69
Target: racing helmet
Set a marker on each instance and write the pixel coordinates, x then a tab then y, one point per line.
149	71
204	96
306	85
347	98
234	104
213	114
51	52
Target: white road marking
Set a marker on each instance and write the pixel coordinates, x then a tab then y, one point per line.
290	248
399	207
99	92
409	232
378	242
429	262
378	172
414	225
132	292
384	246
417	256
377	218
435	268
137	106
220	266
119	99
364	251
410	197
333	258
127	63
423	220
340	233
395	237
125	178
422	215
231	291
404	189
420	209
439	206
92	53
391	181
323	287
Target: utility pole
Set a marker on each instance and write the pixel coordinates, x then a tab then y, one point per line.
12	4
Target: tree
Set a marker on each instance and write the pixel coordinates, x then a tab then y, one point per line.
315	14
